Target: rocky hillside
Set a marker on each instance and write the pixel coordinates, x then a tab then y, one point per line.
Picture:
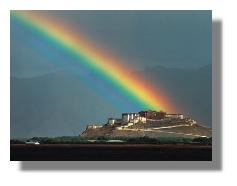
152	128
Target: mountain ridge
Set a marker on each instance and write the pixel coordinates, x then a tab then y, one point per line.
49	105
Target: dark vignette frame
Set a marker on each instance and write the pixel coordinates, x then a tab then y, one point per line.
214	165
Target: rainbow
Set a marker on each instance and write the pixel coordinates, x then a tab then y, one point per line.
109	68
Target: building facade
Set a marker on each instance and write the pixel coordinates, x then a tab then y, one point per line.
93	126
175	116
112	121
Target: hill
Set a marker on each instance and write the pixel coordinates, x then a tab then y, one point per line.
153	128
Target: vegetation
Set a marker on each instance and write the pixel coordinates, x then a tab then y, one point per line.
105	139
16	141
203	140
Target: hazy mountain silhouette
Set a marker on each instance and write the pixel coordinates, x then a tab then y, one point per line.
53	105
190	90
57	104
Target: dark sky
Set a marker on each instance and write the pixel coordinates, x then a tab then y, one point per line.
179	39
